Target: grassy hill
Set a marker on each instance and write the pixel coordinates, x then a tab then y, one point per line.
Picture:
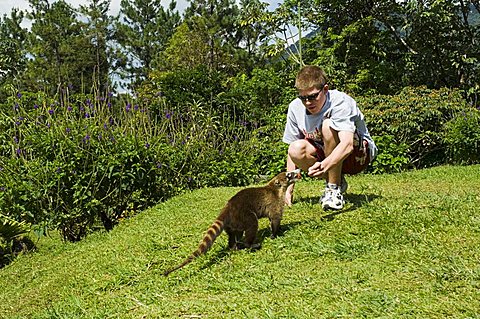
405	246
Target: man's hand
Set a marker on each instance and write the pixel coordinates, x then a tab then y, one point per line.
317	170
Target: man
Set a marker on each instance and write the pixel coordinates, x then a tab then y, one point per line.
327	136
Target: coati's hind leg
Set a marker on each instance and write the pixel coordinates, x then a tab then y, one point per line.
251	235
234	239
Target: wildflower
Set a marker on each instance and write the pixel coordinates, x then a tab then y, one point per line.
147	145
128	107
87	115
86	139
105	126
135	107
110	94
69	108
35	106
58	170
16	107
100	137
18	151
2	189
51	111
19	95
15	140
168	115
68	130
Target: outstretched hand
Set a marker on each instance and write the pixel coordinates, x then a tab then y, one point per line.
317	170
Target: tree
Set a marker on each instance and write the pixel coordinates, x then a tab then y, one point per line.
12	47
97	30
61	55
218	22
142	32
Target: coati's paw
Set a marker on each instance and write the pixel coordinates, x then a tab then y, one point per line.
255	247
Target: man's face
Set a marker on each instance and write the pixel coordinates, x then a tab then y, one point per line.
313	98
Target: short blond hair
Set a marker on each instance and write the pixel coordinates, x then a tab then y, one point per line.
310	76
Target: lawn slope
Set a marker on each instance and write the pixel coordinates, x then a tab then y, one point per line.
405	246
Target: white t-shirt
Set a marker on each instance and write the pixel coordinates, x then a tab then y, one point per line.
342	111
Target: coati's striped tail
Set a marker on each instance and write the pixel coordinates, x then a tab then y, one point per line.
212	233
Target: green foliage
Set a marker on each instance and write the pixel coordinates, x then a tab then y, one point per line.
414	117
391	158
10	230
462	137
143	31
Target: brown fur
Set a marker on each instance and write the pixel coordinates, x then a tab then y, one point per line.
241	213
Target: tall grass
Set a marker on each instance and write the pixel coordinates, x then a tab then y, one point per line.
71	162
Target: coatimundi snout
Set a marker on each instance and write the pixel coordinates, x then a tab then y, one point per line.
241	213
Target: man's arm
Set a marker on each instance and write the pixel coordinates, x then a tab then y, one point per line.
338	155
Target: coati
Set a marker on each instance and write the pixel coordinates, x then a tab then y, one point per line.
241	213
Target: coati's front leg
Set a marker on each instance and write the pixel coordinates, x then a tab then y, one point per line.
275	226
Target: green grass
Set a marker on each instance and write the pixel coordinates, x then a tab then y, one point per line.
407	245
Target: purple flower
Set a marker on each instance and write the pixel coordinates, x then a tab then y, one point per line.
128	107
59	170
168	115
110	94
68	130
105	126
16	107
87	115
35	106
135	107
2	189
15	140
19	95
51	111
86	139
19	151
147	145
69	108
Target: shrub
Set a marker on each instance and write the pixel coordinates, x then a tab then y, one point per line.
415	117
462	137
391	158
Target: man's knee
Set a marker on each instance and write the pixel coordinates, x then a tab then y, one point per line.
299	149
330	136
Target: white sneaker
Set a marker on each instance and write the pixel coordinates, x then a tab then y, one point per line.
332	198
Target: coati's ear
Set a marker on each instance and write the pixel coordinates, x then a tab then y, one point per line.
277	182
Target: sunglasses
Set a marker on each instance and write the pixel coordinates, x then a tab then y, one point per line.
310	97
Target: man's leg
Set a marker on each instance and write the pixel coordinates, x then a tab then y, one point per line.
303	154
331	140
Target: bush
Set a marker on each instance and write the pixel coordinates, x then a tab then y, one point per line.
462	137
415	117
391	158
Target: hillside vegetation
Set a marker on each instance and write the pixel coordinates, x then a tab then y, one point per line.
405	246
